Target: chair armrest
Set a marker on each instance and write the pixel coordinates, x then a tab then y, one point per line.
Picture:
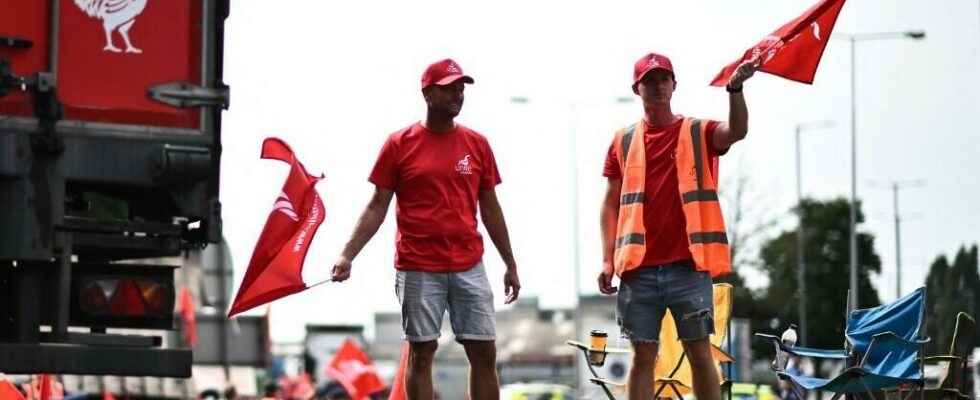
833	354
577	344
585	347
836	354
720	355
607	382
942	358
891	336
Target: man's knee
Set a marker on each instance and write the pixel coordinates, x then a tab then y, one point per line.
481	353
421	354
644	354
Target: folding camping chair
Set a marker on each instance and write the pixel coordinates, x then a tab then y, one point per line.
672	370
885	341
952	373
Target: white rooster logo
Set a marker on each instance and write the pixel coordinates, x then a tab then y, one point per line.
115	15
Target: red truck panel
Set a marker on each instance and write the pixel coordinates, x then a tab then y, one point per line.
100	81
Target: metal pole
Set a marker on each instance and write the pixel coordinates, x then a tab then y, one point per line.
575	243
898	244
800	261
53	32
853	205
222	300
63	285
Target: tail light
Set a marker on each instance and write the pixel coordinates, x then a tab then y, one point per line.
123	295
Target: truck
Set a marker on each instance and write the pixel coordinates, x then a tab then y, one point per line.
110	150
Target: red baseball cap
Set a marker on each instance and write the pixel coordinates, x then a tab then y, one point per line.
443	72
649	63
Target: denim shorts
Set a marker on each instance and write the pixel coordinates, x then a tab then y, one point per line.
426	296
645	295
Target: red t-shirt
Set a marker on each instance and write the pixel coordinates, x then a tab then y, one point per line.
437	178
663	217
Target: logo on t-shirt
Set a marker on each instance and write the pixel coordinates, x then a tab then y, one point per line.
463	166
285	206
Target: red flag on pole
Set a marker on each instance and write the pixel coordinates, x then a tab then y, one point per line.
187	317
354	371
276	268
794	50
45	387
398	382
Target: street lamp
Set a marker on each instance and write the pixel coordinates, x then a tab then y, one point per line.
800	260
576	265
894	186
853	39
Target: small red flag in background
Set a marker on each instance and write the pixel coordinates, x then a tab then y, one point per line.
45	387
794	50
398	382
187	317
276	268
354	371
9	392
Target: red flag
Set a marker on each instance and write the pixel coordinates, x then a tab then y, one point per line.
187	317
9	392
398	382
45	387
354	371
276	268
794	50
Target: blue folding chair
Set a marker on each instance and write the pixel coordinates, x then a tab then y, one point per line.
884	350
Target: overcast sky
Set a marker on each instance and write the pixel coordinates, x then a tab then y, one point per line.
334	79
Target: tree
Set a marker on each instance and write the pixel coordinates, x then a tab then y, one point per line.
826	252
950	289
748	222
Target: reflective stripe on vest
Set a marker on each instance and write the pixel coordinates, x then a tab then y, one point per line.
698	192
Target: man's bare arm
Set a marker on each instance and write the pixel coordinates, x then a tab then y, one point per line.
493	219
367	226
737	127
608	220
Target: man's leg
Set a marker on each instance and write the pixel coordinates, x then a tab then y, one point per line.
640	380
482	355
418	376
640	308
703	372
692	305
423	300
471	314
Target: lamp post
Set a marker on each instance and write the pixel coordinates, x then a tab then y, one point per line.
853	39
895	186
800	242
576	264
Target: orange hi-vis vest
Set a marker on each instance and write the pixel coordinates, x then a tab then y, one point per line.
697	189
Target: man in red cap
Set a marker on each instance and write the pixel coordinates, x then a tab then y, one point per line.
440	171
662	230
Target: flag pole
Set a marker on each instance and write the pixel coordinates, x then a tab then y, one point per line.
319	283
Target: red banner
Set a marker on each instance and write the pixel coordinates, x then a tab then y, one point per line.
276	268
354	371
794	50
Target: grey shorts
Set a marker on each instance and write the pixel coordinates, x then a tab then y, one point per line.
425	297
647	293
